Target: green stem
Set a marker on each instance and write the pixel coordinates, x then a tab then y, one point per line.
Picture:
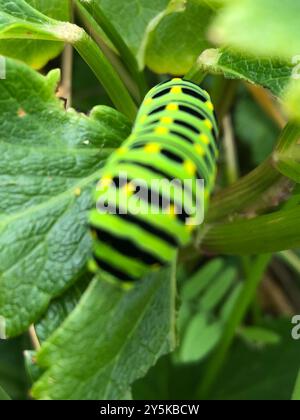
94	9
251	188
232	170
106	74
292	259
196	75
296	392
108	50
237	315
273	232
246	190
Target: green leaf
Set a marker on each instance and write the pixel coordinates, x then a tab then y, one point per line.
296	392
3	395
201	336
51	160
60	308
160	33
179	38
205	309
265	27
270	73
19	20
112	338
37	53
259	336
255	373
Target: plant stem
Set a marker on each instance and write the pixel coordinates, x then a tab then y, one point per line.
250	188
237	315
106	74
291	259
232	170
265	101
246	190
108	50
268	233
129	59
296	392
34	338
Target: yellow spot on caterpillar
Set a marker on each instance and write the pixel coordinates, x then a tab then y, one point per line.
172	211
166	120
148	101
208	124
21	113
176	79
143	118
209	105
206	194
161	130
105	181
129	188
78	192
172	107
199	150
122	150
190	228
204	138
176	90
190	167
152	148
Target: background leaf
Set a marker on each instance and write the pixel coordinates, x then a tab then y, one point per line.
51	160
266	27
271	73
109	340
37	53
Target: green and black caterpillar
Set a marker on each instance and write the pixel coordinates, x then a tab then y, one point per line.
174	138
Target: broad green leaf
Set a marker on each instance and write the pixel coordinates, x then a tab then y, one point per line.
271	73
267	373
179	39
250	373
160	33
60	308
51	159
18	19
111	339
264	27
131	17
36	53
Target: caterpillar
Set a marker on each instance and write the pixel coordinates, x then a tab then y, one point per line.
174	138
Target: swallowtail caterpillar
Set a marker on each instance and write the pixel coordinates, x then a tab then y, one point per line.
174	137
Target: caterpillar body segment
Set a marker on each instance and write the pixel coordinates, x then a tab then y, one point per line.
141	221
